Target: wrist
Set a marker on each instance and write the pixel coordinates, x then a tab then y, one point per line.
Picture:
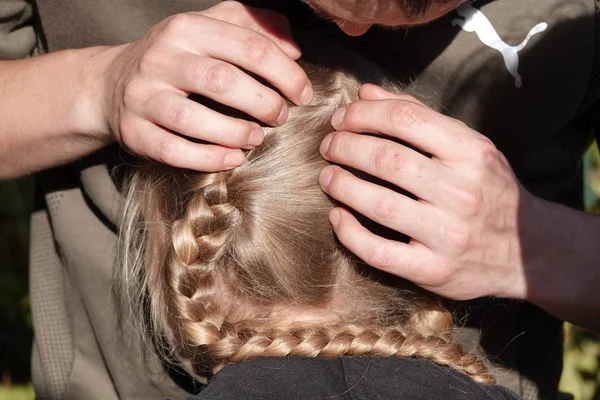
507	277
91	109
560	259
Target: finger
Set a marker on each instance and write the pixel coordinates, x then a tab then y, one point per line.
184	116
254	52
382	205
159	145
413	123
386	160
227	84
370	91
401	259
276	27
270	23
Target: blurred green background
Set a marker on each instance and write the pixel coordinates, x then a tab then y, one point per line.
581	376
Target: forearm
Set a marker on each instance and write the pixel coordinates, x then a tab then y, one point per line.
51	109
561	253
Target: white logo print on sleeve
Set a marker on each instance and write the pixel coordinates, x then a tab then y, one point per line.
476	21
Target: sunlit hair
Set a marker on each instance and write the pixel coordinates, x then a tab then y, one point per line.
236	265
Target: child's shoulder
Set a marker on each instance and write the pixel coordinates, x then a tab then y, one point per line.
346	378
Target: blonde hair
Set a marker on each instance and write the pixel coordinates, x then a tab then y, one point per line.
236	265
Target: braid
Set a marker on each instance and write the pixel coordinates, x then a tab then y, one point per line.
200	240
232	261
347	340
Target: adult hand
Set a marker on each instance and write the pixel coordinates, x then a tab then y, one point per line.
464	225
147	85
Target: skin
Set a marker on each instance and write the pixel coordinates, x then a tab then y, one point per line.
475	230
136	94
355	17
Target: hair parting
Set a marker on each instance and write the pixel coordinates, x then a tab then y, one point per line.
235	265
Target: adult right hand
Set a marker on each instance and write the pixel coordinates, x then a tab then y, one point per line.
147	83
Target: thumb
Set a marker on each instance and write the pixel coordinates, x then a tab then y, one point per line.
369	91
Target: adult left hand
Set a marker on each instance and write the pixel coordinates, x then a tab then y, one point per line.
465	223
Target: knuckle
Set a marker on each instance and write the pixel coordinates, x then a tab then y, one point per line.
151	61
155	32
418	168
470	201
132	94
486	153
166	152
232	12
442	272
458	237
256	48
177	24
231	6
379	257
385	208
405	113
127	130
220	78
177	114
387	159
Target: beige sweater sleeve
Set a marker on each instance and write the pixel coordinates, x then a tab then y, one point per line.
18	37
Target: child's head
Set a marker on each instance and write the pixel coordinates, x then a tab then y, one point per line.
244	263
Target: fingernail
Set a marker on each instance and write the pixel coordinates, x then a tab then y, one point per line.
256	137
307	95
325	144
338	116
282	117
325	176
334	217
234	159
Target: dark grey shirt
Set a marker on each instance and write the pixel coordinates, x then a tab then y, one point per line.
346	378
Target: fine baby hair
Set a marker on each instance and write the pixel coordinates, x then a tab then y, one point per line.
230	266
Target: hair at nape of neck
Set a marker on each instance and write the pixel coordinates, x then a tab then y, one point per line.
236	265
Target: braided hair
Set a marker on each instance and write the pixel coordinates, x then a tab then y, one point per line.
235	265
